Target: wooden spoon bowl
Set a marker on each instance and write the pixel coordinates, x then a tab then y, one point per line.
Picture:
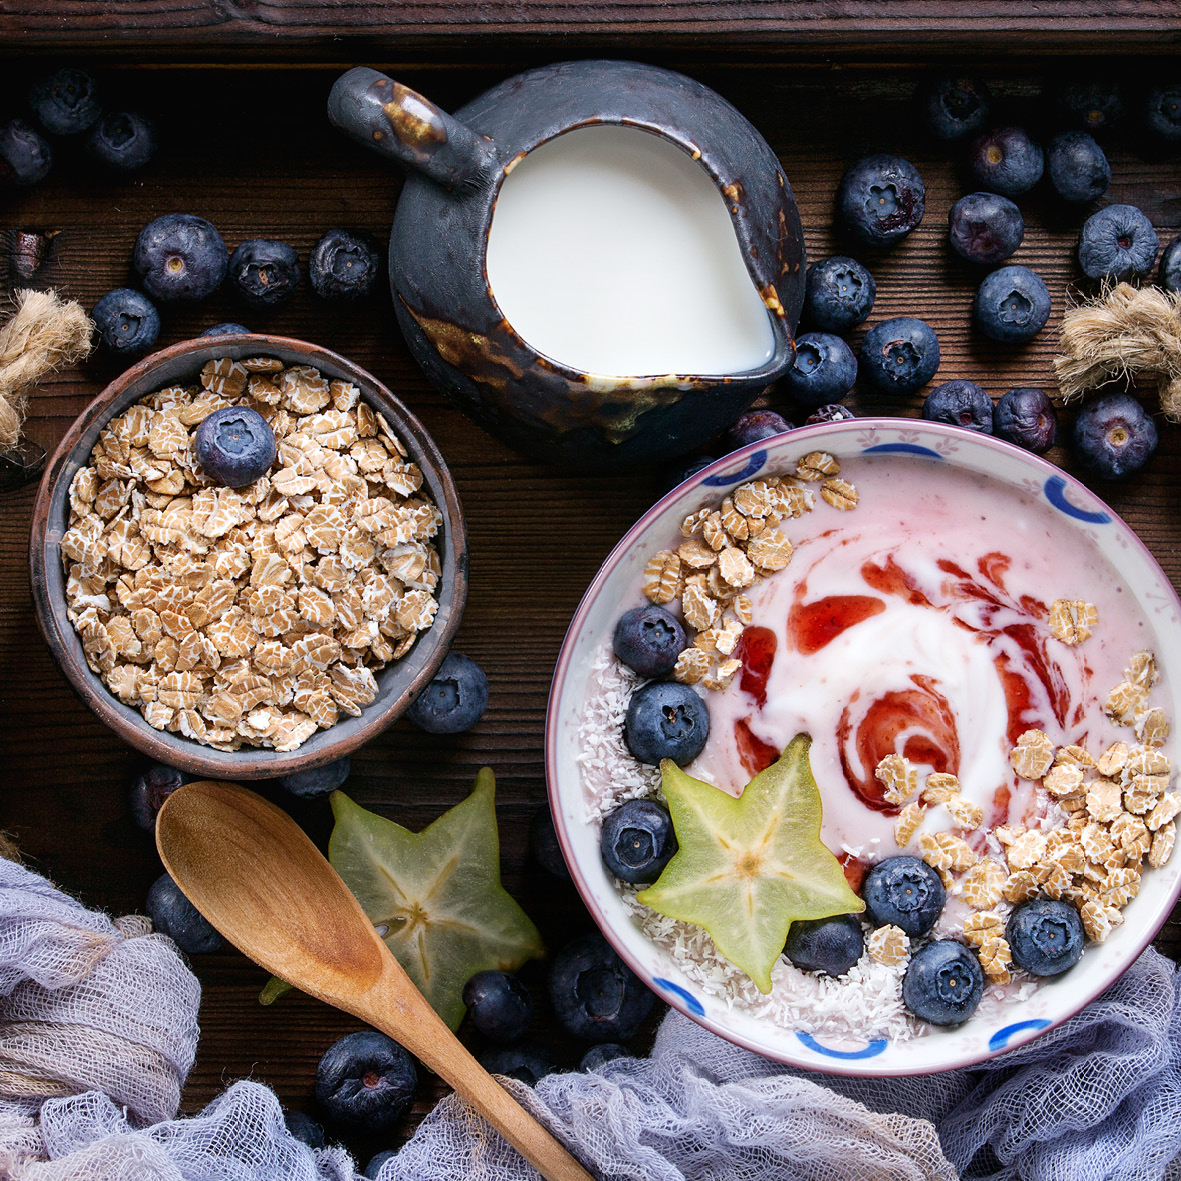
255	875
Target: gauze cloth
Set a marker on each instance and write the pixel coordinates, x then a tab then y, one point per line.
98	1029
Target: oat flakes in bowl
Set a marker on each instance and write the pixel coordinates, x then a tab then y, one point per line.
256	631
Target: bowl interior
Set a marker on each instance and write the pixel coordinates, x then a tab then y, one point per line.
1081	515
398	683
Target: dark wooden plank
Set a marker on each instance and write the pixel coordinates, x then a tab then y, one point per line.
537	535
317	30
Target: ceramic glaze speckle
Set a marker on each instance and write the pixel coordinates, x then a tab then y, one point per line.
611	250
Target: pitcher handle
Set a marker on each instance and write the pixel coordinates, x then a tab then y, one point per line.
398	122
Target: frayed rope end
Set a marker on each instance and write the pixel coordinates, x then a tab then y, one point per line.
1133	333
44	332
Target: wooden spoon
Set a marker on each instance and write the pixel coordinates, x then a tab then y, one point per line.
255	875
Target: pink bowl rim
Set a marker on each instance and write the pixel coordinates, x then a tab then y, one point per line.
733	460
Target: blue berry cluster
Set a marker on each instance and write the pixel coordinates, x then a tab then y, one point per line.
181	257
67	108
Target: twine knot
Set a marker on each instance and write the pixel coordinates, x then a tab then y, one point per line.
1133	333
44	332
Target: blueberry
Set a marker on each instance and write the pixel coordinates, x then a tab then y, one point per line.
666	720
66	102
831	946
375	1163
228	328
1012	305
1028	418
527	1063
648	640
124	141
149	789
544	844
1117	243
499	1005
318	780
1170	266
1113	436
683	471
180	257
235	446
905	892
595	995
1093	105
1045	937
127	322
881	199
1006	161
832	413
824	370
899	356
172	914
638	841
1078	168
943	983
1162	112
455	700
754	426
961	403
952	106
603	1053
985	228
304	1129
839	294
264	272
366	1080
25	157
345	264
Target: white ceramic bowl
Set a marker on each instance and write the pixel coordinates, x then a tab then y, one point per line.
979	1038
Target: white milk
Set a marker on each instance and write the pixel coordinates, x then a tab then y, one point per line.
612	251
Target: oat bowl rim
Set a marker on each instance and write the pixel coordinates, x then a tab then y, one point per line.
1083	514
399	683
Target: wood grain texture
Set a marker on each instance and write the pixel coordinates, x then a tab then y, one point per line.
153	28
537	536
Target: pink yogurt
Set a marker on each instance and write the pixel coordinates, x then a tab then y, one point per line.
917	624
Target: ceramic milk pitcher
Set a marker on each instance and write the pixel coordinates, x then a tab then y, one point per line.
601	262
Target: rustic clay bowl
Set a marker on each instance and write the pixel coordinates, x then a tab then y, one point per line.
398	684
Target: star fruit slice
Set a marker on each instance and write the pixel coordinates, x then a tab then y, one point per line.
747	868
437	891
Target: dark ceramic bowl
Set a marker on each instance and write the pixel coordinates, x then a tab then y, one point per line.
398	683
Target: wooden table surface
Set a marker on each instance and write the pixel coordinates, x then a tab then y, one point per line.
757	29
251	150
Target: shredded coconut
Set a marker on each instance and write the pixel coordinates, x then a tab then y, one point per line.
611	775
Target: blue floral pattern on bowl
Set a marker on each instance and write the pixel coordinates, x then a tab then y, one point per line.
869	1050
753	466
1002	1037
691	1002
1056	494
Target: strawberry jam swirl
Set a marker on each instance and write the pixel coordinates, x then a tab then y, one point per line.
924	636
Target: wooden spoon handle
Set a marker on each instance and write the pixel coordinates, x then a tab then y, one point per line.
398	1009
